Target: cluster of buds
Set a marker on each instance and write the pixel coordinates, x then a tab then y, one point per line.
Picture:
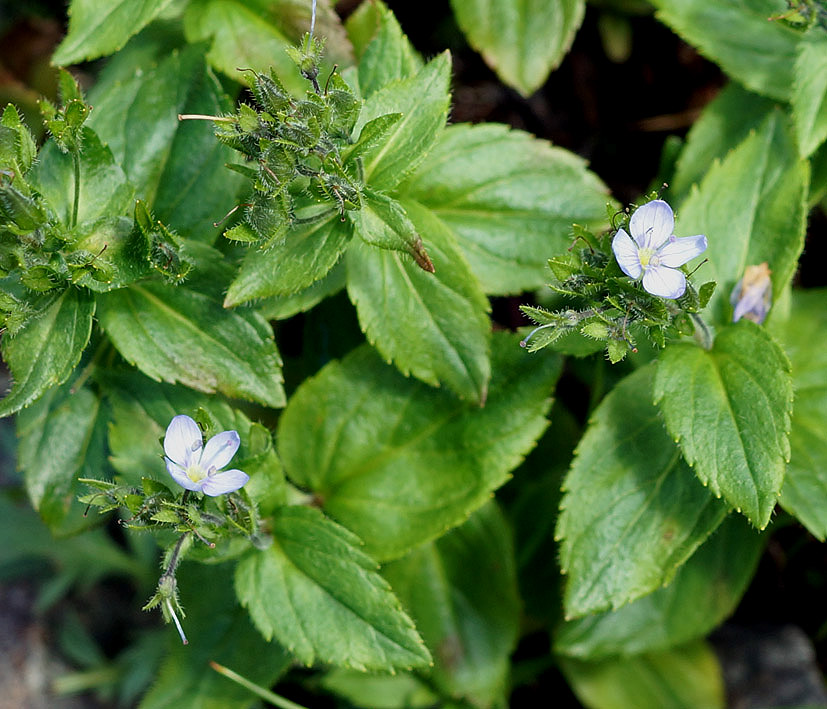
293	146
606	305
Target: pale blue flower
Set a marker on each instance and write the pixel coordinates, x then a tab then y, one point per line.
654	252
198	467
752	295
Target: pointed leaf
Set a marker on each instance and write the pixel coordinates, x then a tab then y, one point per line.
685	610
805	486
176	166
177	335
730	409
510	199
423	100
431	325
389	55
739	37
809	93
752	207
632	512
46	350
305	256
462	593
101	27
521	41
725	122
283	307
364	439
321	596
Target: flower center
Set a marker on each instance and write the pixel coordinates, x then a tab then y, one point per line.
648	257
196	473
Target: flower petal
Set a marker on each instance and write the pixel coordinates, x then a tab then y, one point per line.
182	440
224	482
220	450
665	282
626	253
677	252
180	476
652	224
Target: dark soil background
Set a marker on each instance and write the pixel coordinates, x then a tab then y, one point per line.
618	115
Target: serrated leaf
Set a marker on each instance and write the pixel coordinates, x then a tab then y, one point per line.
509	198
809	92
104	188
423	100
306	255
805	486
739	37
174	334
521	41
46	350
243	35
730	409
101	27
17	147
684	677
364	439
752	207
61	438
431	325
219	631
388	57
725	122
283	307
176	166
462	593
321	596
682	611
633	511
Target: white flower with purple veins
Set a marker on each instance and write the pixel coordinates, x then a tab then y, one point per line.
198	467
654	252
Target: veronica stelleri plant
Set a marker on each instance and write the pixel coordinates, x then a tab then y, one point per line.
659	301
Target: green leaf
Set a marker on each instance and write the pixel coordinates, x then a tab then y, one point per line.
101	27
632	512
17	147
283	307
305	256
510	199
104	189
685	677
752	207
805	486
48	347
686	609
323	599
176	166
178	335
738	37
521	41
388	57
243	35
61	438
730	409
423	100
366	440
462	593
809	92
400	691
433	326
219	631
725	122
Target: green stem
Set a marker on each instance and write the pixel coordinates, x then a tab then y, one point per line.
703	333
259	691
76	165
